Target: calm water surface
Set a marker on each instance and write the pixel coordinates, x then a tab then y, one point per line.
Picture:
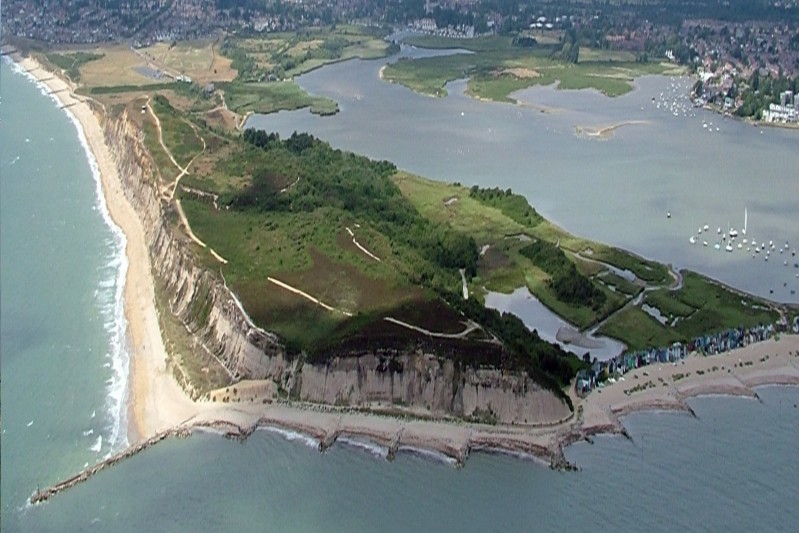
616	191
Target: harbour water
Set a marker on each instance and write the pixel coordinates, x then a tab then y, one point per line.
63	367
700	166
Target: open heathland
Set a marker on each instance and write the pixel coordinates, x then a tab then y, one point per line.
338	254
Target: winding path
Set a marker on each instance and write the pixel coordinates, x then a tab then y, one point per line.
169	195
470	326
634	301
307	296
360	247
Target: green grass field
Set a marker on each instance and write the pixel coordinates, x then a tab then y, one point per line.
178	134
270	97
638	330
71	62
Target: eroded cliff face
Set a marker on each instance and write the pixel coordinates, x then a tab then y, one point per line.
440	386
218	325
198	297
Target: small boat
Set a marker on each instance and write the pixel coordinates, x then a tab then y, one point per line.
692	240
699	231
704	243
717	246
718	231
740	246
745	221
733	233
728	247
706	227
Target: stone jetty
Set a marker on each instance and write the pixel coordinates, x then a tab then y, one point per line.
46	494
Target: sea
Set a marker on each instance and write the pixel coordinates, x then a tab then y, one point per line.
64	360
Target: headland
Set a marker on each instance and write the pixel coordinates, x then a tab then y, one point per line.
161	407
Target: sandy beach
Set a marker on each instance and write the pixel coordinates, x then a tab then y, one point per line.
667	386
158	403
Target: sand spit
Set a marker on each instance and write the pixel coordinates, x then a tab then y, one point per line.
162	409
604	132
667	386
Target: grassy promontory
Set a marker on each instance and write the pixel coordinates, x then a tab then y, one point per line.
339	254
371	242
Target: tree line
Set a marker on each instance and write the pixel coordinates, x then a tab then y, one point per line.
357	185
513	206
569	285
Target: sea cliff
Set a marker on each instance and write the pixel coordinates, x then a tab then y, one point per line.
219	327
196	296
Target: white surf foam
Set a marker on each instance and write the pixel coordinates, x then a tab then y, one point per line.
369	447
98	444
114	315
292	436
429	454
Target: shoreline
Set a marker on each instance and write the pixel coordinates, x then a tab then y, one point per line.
154	398
159	405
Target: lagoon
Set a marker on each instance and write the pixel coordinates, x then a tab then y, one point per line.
538	317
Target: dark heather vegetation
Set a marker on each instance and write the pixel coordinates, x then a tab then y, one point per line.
332	178
513	206
569	285
300	177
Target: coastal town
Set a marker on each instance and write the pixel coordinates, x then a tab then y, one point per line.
745	56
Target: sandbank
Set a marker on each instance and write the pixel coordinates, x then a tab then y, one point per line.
604	132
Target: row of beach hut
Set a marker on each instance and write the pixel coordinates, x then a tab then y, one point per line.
588	379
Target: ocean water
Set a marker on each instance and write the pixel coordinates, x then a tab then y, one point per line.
62	326
734	467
